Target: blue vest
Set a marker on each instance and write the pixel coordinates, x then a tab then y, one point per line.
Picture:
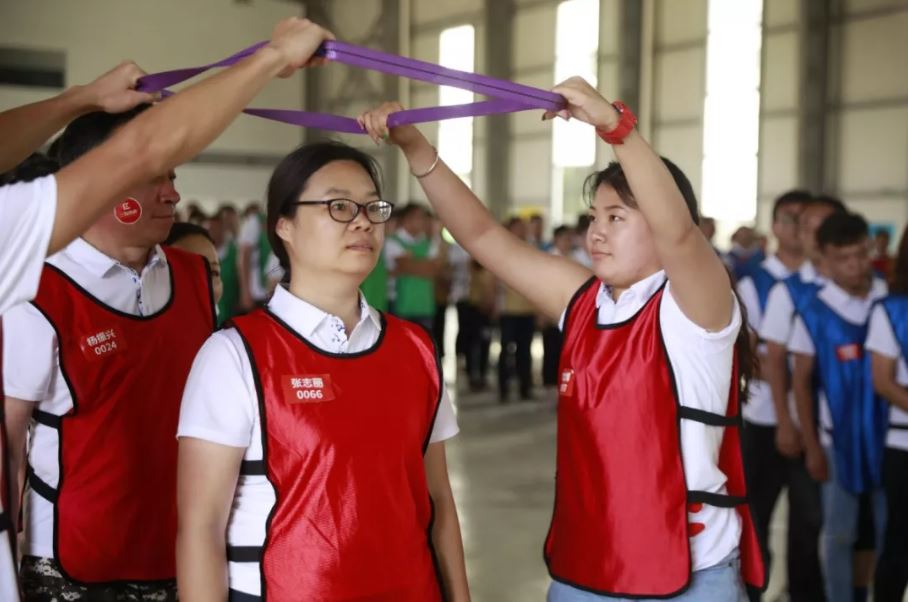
763	281
896	307
842	369
801	292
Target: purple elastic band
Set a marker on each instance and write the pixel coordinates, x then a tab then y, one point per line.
507	97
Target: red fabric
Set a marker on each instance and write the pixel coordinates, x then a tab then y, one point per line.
115	516
353	512
620	524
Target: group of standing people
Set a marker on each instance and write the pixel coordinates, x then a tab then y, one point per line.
298	452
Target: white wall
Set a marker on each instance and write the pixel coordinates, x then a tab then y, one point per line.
160	35
867	152
867	163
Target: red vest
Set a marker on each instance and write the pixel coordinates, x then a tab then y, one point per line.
115	506
344	438
620	523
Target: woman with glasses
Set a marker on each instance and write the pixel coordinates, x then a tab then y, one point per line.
311	432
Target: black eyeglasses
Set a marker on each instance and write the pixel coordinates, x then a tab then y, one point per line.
346	210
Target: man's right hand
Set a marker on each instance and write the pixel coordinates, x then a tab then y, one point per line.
817	464
114	92
788	439
297	40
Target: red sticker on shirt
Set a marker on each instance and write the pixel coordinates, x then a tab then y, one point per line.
847	353
102	343
128	212
566	383
311	388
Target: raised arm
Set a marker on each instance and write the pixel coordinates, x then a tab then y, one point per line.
24	129
174	131
547	281
700	283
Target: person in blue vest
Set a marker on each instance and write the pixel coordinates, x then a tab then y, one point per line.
887	344
768	470
827	341
777	320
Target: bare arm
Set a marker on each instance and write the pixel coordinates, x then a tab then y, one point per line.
23	129
775	371
522	266
802	384
446	530
700	283
206	482
884	370
173	131
17	413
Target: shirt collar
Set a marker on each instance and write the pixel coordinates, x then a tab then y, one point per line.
406	236
81	252
774	266
838	296
809	273
639	291
305	318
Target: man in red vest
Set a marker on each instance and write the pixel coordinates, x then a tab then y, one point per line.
94	369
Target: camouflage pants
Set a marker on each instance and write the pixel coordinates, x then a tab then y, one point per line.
42	581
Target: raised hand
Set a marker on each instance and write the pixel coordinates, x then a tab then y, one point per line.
297	40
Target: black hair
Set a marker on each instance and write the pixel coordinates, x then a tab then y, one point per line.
89	131
841	230
561	230
290	177
34	167
411	207
613	175
792	197
825	200
181	230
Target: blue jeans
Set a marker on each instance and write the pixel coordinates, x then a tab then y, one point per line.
840	532
719	583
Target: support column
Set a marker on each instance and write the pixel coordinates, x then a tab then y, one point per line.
814	89
499	33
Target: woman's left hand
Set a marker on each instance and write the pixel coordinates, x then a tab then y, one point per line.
375	122
585	103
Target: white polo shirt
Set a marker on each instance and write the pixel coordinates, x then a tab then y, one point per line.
31	361
881	339
702	363
759	408
851	309
27	212
220	404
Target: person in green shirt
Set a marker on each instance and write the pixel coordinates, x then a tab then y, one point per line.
413	262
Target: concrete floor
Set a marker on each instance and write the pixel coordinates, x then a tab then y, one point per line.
502	468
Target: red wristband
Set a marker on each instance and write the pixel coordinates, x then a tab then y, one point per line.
625	125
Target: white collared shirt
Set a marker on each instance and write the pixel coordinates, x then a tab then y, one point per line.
777	319
220	405
881	339
759	408
702	363
852	309
31	362
27	212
